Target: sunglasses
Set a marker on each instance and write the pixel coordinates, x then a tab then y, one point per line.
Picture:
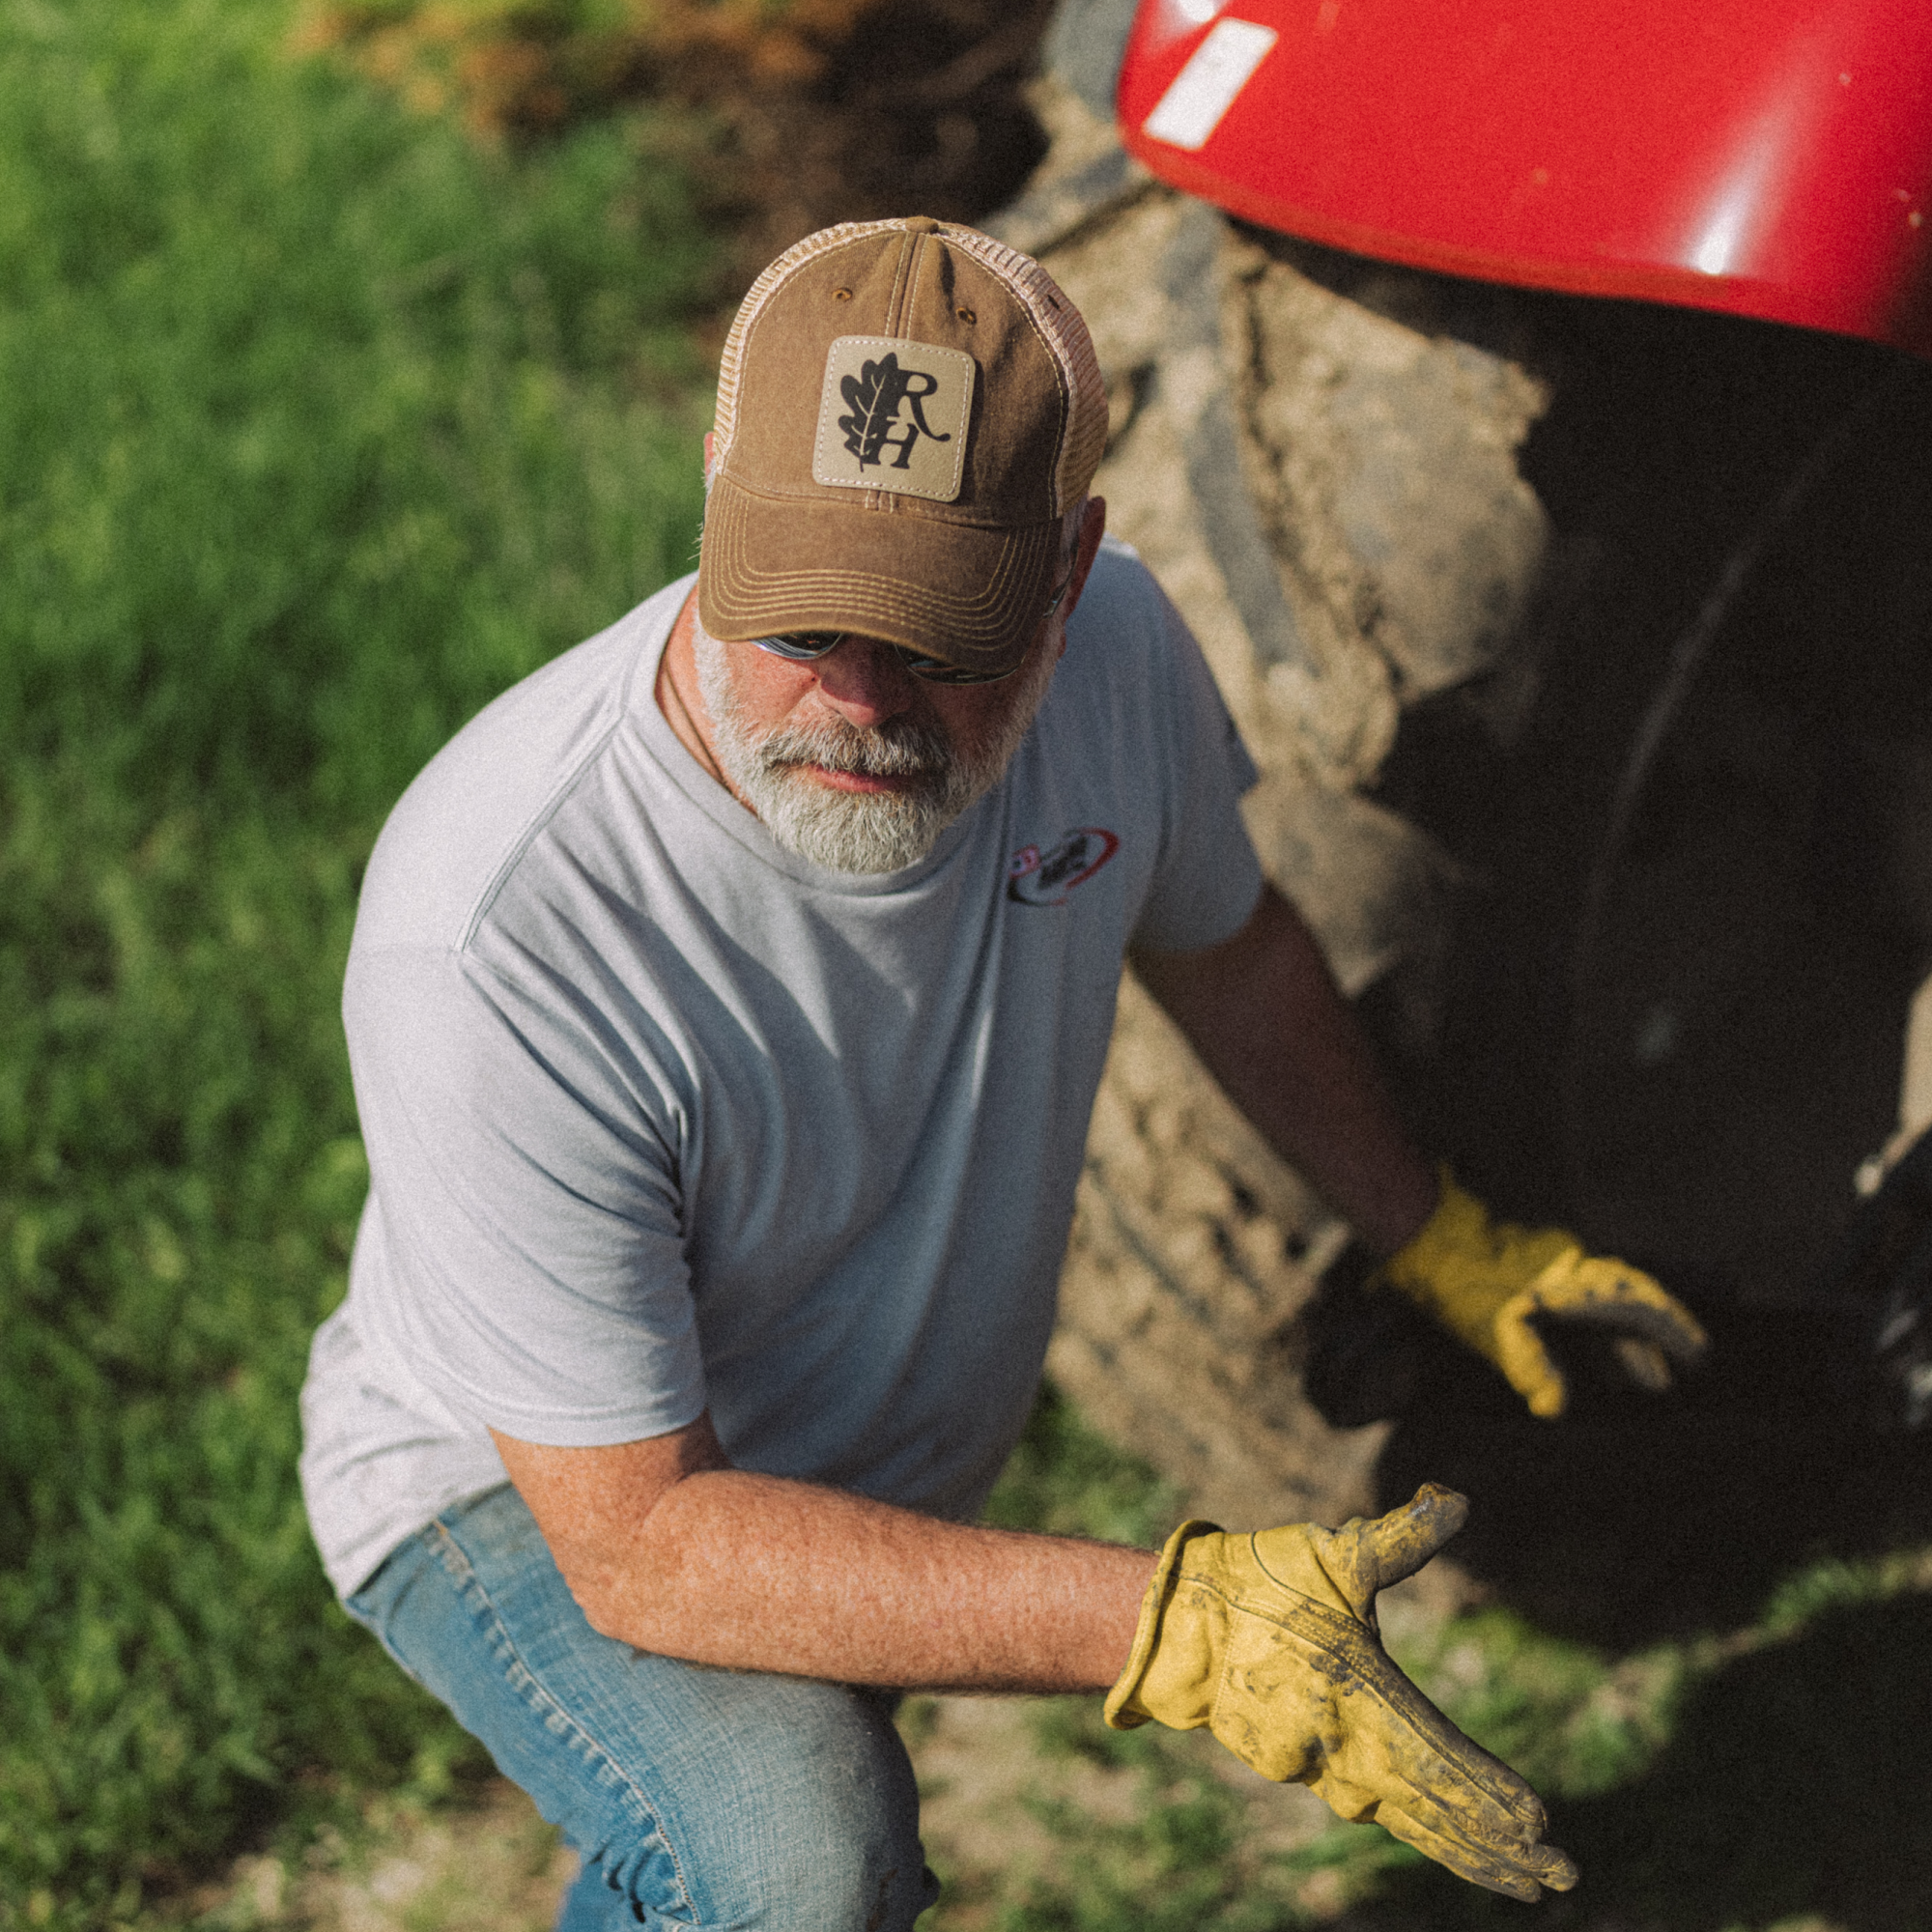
803	646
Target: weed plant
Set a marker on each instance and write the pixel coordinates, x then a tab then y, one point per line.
317	425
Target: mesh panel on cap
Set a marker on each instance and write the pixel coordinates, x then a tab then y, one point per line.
1058	323
756	298
1063	331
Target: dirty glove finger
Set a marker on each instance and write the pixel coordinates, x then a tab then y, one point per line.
1539	1865
1577	1287
1643	1362
1528	1366
1403	1759
1366	1557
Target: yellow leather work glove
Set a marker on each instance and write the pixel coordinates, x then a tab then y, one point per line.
1484	1280
1270	1641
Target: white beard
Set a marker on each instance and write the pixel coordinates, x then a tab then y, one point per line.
859	832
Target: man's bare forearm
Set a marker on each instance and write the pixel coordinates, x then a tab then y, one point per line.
724	1565
1265	1016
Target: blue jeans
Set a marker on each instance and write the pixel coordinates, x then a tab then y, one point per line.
693	1796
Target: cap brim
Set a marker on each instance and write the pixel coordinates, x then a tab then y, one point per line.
967	595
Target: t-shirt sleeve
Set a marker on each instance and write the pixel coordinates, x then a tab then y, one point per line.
523	1248
1208	880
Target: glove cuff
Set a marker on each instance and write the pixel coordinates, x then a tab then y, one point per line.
1473	1274
1433	1263
1123	1711
1456	1228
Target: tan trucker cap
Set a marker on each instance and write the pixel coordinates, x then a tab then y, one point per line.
906	411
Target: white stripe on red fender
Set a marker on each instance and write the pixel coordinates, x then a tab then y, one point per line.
1201	94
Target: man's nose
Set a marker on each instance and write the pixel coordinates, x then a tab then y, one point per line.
865	682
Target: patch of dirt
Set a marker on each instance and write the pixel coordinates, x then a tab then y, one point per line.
984	1773
790	115
493	1863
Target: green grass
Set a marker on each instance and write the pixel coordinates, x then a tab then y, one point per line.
1065	1479
317	425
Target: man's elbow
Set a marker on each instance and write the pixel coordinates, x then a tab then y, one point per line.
631	1596
600	1513
596	1586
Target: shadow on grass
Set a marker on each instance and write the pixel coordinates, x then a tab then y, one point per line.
1796	1785
1637	1520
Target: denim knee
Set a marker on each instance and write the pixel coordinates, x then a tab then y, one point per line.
819	1832
694	1797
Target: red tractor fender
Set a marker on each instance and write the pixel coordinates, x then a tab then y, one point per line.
1763	158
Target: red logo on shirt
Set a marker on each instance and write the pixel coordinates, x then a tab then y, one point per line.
1046	879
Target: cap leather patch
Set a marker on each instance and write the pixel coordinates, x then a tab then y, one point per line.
894	415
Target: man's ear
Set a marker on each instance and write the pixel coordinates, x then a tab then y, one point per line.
710	454
1092	527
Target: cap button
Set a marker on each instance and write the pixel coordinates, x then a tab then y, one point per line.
919	224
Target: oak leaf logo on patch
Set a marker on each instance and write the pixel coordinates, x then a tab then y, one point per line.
894	415
874	396
1039	878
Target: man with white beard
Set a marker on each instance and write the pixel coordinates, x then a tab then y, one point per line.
780	775
726	1009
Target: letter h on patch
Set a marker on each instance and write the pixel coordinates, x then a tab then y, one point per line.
894	415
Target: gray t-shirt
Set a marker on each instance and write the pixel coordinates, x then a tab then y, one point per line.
661	1117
